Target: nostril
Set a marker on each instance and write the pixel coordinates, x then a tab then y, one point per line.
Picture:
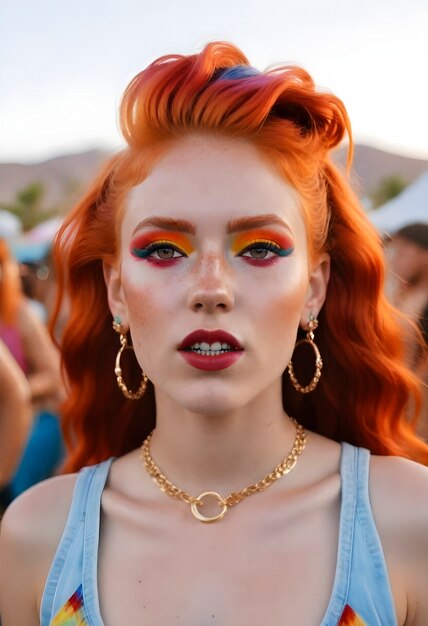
214	297
200	305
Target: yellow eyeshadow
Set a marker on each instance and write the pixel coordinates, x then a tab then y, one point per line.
181	241
243	240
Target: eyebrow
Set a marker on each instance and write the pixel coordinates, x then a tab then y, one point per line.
233	226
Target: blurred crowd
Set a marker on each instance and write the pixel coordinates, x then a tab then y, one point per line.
31	387
407	286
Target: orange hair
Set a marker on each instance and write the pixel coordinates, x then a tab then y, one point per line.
366	396
10	286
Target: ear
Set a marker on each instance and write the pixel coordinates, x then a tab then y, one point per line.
317	290
116	299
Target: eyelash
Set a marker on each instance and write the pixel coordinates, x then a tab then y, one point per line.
144	253
262	244
270	246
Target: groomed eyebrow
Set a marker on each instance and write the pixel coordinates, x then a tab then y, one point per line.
233	226
246	223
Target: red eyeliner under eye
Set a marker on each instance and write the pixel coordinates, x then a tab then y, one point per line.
261	262
163	263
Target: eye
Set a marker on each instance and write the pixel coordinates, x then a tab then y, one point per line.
263	250
159	250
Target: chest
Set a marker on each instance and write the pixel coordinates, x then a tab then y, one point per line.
275	569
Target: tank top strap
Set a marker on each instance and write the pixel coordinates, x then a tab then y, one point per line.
348	476
91	539
361	586
371	583
75	561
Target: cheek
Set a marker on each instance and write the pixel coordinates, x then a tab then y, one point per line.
150	308
138	295
284	309
283	289
283	303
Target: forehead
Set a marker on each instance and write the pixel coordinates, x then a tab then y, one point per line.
210	180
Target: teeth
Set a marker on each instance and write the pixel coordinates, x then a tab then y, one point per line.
214	347
210	352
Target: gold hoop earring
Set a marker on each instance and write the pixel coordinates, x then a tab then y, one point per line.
131	395
313	324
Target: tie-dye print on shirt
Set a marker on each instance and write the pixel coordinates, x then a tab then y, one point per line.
350	618
73	612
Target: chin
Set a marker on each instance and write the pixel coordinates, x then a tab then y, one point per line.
212	404
212	409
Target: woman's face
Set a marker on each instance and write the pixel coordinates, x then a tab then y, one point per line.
407	260
214	240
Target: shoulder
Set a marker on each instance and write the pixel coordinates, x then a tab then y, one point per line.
26	315
29	535
399	491
31	327
45	503
399	499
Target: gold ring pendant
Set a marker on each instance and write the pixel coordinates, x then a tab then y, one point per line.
198	502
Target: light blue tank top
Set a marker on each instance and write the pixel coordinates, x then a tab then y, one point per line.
361	594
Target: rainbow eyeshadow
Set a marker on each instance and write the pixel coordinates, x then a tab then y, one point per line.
144	244
282	245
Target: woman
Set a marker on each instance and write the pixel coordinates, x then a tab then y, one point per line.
29	342
15	414
220	230
26	337
408	261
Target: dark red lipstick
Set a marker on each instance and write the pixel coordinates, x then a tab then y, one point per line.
225	354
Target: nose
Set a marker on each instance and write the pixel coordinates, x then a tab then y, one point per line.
211	285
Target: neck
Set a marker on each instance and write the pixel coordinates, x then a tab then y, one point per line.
223	452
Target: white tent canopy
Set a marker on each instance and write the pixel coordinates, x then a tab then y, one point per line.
10	225
410	206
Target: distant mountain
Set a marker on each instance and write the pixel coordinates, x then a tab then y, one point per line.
65	178
370	166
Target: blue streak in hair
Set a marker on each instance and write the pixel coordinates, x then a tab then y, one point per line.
239	71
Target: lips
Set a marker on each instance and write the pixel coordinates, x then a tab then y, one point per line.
209	336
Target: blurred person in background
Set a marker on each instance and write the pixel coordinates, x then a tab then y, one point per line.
38	278
15	416
28	340
407	253
38	275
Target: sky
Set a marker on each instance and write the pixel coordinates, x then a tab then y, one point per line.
64	64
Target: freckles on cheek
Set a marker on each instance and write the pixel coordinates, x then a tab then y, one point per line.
138	297
149	309
138	308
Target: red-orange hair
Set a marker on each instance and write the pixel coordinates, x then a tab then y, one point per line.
10	286
366	396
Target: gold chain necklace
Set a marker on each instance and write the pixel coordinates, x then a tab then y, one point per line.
170	489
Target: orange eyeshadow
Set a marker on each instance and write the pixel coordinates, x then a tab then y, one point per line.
246	239
180	240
